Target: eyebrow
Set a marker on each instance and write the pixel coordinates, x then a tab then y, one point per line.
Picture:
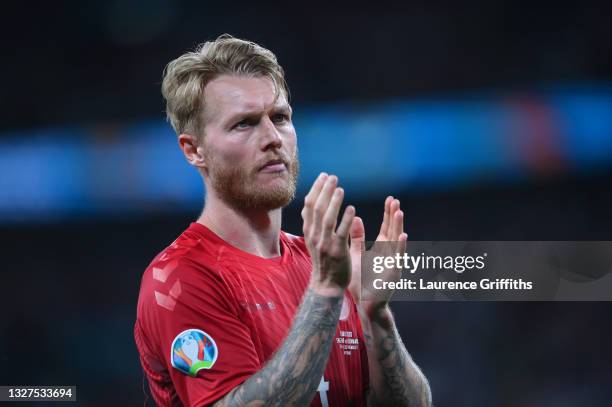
284	108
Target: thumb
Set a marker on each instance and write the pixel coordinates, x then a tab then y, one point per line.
357	233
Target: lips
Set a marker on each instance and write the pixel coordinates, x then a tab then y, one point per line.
277	165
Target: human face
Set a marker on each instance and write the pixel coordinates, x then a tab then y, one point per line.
249	143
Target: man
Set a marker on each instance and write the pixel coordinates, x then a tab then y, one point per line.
236	312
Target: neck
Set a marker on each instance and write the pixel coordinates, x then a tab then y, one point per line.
254	231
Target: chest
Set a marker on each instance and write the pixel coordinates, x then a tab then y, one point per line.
268	298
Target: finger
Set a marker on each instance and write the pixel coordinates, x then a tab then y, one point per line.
331	215
401	236
311	199
357	233
393	208
384	227
402	242
321	205
403	239
342	233
398	225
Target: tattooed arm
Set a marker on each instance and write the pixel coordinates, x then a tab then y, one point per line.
292	375
394	377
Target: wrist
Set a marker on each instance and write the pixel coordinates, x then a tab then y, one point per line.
378	313
326	289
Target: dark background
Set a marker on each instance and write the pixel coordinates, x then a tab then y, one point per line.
69	286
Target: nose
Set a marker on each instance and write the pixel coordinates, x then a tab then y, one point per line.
270	138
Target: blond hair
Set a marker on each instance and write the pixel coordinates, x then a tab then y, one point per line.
186	77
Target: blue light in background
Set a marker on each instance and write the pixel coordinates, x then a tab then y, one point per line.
387	147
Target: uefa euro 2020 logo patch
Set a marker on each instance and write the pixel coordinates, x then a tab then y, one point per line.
193	350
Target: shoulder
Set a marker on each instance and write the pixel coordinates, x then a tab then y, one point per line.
191	244
186	270
188	255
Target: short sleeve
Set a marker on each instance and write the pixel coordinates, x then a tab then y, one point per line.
191	321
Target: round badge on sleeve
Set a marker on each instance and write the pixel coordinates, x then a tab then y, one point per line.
193	350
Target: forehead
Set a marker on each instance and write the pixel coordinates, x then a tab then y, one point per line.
228	95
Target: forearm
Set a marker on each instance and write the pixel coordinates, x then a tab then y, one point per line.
394	377
292	375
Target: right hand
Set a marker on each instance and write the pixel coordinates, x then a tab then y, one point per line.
328	246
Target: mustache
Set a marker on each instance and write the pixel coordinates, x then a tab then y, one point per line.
280	157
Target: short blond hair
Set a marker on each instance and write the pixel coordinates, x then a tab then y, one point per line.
186	77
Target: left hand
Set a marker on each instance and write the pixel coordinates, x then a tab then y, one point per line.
391	229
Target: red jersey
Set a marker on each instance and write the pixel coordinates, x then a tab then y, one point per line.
210	315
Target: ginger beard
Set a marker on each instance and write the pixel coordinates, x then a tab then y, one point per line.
241	188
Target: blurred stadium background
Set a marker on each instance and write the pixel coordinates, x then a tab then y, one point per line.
490	120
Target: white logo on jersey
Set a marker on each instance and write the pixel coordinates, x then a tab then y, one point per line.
323	389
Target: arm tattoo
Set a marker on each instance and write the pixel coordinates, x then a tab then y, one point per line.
406	383
291	376
400	381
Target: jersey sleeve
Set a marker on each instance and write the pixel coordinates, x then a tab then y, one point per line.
192	321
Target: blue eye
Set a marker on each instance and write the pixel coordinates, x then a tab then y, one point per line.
243	124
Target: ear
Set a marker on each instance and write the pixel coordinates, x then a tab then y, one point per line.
192	150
